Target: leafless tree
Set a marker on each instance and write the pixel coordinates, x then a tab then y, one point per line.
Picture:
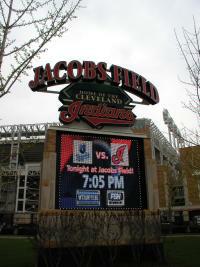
26	26
190	50
190	161
174	191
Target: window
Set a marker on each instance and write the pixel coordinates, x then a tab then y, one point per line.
21	193
20	206
21	181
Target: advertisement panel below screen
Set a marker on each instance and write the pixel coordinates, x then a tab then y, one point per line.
100	172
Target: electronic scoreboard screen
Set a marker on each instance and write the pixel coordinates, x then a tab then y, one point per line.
99	172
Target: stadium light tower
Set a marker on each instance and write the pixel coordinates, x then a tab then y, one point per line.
175	137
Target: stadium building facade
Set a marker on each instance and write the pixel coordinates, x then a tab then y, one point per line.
21	157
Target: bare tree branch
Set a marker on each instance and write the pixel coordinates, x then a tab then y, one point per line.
190	50
40	22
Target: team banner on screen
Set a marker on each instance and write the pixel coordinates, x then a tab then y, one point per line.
99	172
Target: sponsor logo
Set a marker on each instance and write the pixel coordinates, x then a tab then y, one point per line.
115	198
87	197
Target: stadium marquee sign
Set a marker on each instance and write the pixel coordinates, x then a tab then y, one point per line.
95	93
99	172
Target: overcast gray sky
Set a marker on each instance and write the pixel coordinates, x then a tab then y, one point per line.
135	34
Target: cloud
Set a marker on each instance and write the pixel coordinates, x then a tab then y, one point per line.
135	34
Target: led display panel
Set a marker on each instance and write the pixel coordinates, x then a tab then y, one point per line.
99	172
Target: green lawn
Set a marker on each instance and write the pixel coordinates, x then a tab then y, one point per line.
180	252
183	251
16	253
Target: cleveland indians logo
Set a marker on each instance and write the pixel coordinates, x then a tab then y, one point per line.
118	157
